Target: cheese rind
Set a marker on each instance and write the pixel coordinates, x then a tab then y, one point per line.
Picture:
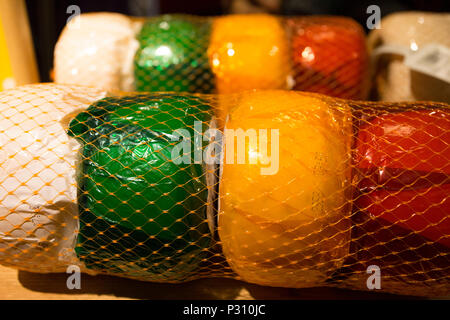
289	228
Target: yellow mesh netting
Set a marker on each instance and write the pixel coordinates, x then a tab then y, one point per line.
277	188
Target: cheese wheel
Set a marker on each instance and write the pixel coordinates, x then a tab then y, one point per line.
403	164
410	31
172	55
329	56
249	52
401	219
142	213
97	50
287	225
38	192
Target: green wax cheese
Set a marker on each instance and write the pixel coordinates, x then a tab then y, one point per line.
141	214
172	55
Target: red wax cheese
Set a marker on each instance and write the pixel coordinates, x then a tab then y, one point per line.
329	56
403	162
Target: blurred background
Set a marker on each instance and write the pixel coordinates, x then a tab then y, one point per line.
48	17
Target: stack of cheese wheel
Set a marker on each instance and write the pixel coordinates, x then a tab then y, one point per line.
312	190
226	54
284	215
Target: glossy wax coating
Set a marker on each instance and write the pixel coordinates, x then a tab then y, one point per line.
249	52
404	161
329	56
140	213
172	55
291	227
401	205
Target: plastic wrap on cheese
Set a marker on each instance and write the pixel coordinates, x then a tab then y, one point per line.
284	214
329	56
226	54
96	50
277	188
126	225
172	55
249	52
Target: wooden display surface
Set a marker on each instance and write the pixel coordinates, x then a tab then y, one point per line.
16	284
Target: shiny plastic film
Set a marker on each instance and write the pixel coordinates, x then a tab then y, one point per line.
184	53
278	188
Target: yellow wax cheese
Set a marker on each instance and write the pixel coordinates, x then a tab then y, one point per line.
249	52
288	225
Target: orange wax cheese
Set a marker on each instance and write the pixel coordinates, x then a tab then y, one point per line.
287	225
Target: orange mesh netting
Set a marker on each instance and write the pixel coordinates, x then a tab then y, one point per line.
278	188
224	54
